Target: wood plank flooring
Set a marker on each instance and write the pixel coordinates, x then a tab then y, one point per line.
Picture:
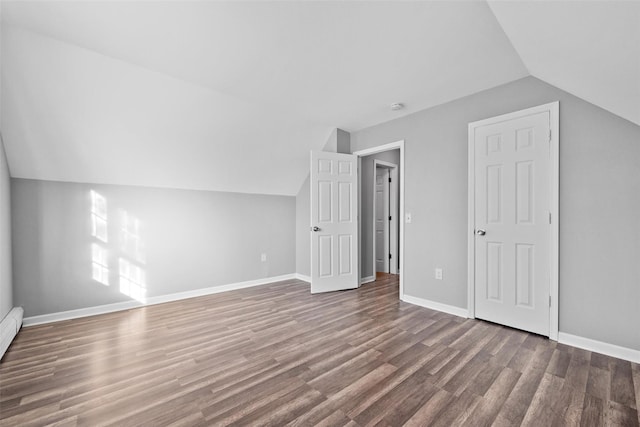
277	355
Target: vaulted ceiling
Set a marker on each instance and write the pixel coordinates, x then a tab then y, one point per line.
231	96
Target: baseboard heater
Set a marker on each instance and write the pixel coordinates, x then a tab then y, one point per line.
9	328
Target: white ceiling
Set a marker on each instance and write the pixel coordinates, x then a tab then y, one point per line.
588	48
232	95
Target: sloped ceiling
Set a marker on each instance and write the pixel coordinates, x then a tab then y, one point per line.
588	48
232	96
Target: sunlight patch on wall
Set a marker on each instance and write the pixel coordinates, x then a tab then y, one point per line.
99	230
100	264
129	248
99	216
132	280
132	274
131	242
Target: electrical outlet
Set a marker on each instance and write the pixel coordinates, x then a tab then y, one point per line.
263	257
439	273
407	218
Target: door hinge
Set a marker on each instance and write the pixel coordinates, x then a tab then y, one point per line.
549	135
389	256
389	179
549	300
549	217
389	217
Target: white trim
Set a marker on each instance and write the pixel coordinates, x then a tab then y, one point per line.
384	164
445	308
554	117
368	279
471	227
600	347
303	277
554	265
359	222
126	305
393	201
379	149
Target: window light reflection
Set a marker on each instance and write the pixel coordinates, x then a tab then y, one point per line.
100	264
132	280
98	216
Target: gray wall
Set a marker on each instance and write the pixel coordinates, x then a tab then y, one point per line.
599	207
343	141
6	295
192	239
367	208
303	222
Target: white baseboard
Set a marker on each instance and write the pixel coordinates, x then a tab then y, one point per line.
303	277
599	347
368	279
126	305
456	311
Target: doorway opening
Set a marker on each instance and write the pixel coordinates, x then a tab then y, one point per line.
381	209
385	214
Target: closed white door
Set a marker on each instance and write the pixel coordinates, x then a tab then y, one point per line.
334	222
382	219
512	222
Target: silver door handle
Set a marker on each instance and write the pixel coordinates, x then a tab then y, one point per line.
315	228
480	232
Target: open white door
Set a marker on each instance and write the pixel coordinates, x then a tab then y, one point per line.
382	220
334	221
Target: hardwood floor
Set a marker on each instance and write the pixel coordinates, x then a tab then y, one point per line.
276	355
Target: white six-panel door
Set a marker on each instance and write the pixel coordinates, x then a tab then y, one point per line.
382	220
512	221
334	221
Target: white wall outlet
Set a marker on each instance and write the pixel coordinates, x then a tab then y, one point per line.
439	273
263	257
407	218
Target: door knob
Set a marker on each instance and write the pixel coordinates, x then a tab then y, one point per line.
480	232
315	228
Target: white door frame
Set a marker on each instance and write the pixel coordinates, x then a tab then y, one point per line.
393	203
380	149
554	150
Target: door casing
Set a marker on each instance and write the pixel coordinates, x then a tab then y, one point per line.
554	109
